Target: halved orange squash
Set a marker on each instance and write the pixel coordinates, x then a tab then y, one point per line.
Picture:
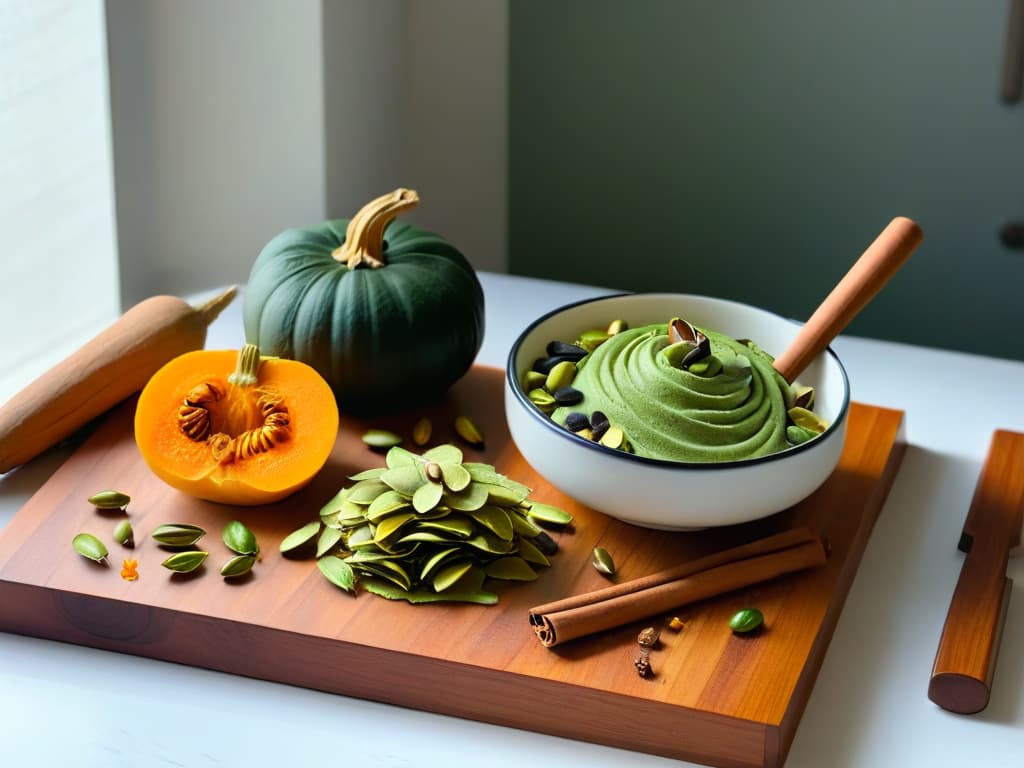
232	427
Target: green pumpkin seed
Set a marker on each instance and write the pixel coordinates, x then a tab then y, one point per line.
435	560
124	535
110	500
399	457
746	620
239	539
360	537
405	480
386	569
613	438
560	376
706	367
367	474
89	546
602	561
455	476
467	590
533	380
472	497
468	431
444	454
546	513
185	562
524	526
449	575
803	397
421	431
177	534
338	572
365	491
510	569
591	340
298	538
389	526
459	527
239	565
529	552
809	420
427	496
388	503
329	537
543	399
495	519
381	439
503	495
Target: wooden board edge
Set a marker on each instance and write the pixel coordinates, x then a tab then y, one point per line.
779	738
382	675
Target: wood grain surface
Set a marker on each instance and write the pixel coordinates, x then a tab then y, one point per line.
714	697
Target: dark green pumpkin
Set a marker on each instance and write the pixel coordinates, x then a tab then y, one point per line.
389	314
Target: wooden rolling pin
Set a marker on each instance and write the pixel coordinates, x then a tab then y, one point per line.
966	658
104	371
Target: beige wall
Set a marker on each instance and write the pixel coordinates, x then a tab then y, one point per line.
234	119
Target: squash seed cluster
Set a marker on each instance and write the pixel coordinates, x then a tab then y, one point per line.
428	528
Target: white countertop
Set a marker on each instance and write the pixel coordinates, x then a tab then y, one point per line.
70	705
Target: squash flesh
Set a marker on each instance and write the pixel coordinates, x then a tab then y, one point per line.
190	465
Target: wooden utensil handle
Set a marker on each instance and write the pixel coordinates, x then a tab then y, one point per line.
867	276
965	662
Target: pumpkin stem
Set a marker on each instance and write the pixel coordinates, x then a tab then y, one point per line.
364	238
247	366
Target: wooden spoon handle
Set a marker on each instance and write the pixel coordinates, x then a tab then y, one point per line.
866	277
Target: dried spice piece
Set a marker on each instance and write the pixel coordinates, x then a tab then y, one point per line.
676	624
647	639
130	570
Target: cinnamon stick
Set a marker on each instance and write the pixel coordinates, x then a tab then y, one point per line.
718	573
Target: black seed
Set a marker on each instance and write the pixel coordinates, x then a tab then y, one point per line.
545	364
545	543
567	350
599	424
576	421
567	395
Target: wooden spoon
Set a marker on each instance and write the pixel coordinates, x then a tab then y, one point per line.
866	277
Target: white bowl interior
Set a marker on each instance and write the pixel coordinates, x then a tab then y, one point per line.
666	494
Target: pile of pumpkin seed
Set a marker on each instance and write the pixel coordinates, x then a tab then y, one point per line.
429	528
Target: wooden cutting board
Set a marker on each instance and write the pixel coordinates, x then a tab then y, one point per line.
716	698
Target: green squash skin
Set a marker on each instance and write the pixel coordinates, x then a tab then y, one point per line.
385	339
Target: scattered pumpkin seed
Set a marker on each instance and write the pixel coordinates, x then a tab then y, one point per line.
185	562
543	365
124	535
177	534
421	431
803	397
239	539
746	620
468	431
565	396
338	572
510	568
110	500
89	546
381	439
613	438
599	424
602	561
548	514
299	537
533	379
592	339
239	565
329	538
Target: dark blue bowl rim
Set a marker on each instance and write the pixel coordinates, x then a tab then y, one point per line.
565	434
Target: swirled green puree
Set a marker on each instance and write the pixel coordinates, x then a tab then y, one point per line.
726	406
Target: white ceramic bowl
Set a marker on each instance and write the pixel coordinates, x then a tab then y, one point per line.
674	495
